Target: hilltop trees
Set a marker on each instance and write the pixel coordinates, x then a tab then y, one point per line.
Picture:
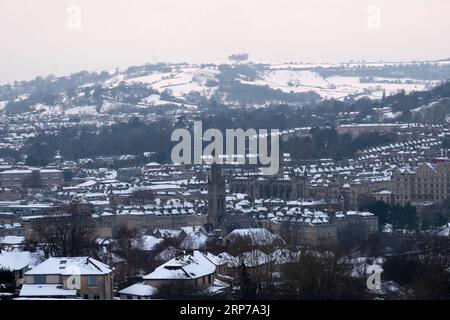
239	57
401	217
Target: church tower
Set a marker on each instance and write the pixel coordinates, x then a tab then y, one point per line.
216	196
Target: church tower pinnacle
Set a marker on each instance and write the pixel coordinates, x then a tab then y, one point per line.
216	196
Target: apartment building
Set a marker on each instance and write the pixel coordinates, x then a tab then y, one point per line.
425	183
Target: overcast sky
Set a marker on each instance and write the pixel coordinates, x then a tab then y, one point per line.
46	36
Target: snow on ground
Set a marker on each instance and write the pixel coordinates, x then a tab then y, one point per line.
115	80
425	107
180	82
445	231
82	110
337	87
150	79
155	100
3	104
108	105
12	240
46	110
391	115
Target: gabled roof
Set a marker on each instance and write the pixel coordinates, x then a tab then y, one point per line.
71	265
14	260
186	266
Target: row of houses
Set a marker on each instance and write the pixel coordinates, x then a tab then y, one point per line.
22	178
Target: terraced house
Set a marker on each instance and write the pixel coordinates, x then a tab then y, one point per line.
19	178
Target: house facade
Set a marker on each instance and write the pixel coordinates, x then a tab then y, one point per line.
74	277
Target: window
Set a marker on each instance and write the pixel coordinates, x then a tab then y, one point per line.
40	279
92	280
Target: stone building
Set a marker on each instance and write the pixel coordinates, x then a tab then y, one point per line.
286	188
425	183
216	197
69	277
319	229
34	178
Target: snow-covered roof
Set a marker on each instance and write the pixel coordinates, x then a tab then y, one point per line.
46	290
184	266
71	265
150	242
257	236
14	260
139	289
12	240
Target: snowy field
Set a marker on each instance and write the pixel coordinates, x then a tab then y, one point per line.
288	77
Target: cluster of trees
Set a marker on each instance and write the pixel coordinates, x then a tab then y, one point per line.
136	137
326	142
66	234
423	273
45	90
137	71
248	94
7	282
133	137
421	71
401	217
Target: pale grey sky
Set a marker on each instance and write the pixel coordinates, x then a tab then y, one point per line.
39	37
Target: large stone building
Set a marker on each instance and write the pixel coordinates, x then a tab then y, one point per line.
357	129
33	178
286	188
319	229
425	183
107	223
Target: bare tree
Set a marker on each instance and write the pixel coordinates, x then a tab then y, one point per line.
320	275
128	245
68	233
141	196
423	272
32	181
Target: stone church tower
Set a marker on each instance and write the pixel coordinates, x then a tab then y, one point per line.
216	197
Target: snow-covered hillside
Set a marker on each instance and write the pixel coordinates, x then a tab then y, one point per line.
189	86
